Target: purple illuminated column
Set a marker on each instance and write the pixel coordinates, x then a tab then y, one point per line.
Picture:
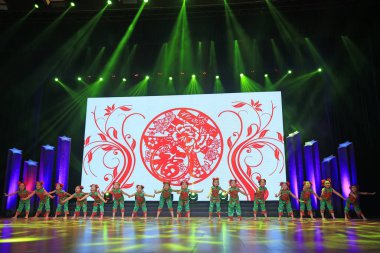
347	166
63	160
330	170
294	161
29	176
313	168
12	176
46	169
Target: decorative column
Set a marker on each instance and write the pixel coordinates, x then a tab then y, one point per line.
347	166
46	169
12	176
29	177
313	168
63	160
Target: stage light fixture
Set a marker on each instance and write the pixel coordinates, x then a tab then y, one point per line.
56	79
109	2
193	76
101	79
36	6
145	1
320	70
124	79
266	75
217	77
170	78
79	78
289	72
72	4
146	77
241	74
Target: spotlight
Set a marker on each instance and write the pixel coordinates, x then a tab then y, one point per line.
266	75
241	74
216	77
109	2
289	71
320	70
170	78
193	76
124	79
56	79
146	77
36	6
79	78
101	79
72	4
145	1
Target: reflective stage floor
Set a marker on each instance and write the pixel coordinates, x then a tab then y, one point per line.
197	235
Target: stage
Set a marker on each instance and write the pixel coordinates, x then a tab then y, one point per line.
197	235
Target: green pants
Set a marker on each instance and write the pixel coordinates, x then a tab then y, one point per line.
327	203
257	203
286	204
308	206
118	202
95	208
355	205
78	206
65	208
183	203
168	201
43	203
136	208
22	204
234	205
212	204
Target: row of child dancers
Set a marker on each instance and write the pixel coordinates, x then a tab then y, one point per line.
233	191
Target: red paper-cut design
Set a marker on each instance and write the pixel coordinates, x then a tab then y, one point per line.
116	147
245	155
181	144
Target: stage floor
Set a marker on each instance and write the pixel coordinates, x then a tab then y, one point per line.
197	235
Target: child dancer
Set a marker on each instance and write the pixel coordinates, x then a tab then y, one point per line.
165	197
184	199
44	196
118	199
260	198
62	195
326	195
22	193
284	200
140	201
79	204
305	197
233	203
215	198
353	198
98	201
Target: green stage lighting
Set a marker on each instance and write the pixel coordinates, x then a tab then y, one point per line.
266	75
192	76
217	77
109	2
289	72
145	1
36	6
79	78
170	78
101	79
147	77
124	79
320	70
56	79
241	74
72	4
